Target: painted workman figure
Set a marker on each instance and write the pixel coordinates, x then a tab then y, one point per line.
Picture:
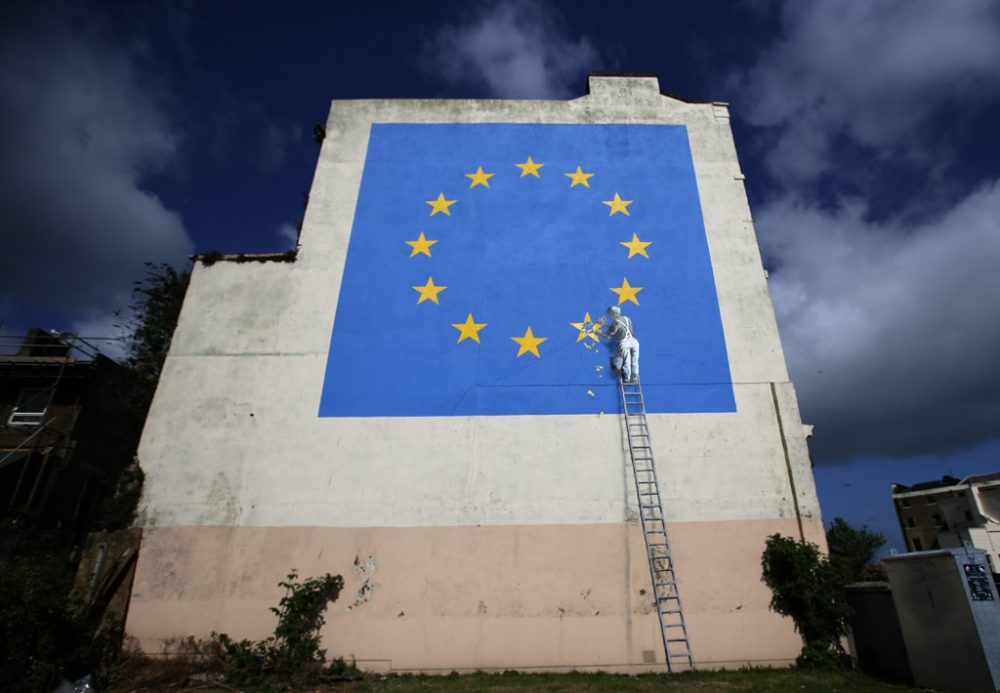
627	355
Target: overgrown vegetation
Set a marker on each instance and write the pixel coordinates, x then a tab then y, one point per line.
149	321
293	654
810	588
210	258
44	636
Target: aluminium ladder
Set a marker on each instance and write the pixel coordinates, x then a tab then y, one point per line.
673	629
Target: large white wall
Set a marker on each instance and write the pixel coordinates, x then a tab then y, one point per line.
233	437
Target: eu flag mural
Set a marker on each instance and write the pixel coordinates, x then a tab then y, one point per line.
482	257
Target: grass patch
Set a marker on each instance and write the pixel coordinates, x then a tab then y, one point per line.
513	682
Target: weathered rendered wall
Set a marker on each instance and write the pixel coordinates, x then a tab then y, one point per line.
497	541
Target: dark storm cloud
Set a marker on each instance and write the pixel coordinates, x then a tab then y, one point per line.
82	124
891	329
518	50
889	325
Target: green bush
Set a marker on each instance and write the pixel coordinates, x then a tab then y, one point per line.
293	653
807	588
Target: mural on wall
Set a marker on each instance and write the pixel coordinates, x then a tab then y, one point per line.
482	257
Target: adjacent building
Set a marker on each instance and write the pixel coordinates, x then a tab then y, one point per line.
422	400
59	436
951	513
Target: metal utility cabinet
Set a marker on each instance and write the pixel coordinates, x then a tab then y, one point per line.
949	612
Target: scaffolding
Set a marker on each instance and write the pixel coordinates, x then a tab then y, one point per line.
36	426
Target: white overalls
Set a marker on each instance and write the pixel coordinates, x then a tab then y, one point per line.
628	347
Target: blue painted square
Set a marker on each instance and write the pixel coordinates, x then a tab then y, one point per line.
524	251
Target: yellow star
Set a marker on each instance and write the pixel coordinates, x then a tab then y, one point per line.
422	245
529	168
587	328
618	205
468	329
528	343
479	178
579	178
430	292
626	292
441	205
636	247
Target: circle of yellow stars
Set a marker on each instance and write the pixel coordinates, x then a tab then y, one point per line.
527	343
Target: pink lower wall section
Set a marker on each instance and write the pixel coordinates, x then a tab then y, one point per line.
438	599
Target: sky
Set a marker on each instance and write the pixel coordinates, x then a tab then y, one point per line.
146	132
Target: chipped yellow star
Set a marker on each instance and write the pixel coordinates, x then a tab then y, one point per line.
528	343
579	178
626	292
529	168
618	205
636	247
441	205
468	329
479	178
584	330
421	245
429	292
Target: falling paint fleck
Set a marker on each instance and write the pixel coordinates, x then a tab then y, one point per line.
598	368
600	415
590	392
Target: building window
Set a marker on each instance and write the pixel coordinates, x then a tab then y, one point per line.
917	546
931	500
938	522
910	522
31	406
904	502
968	516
